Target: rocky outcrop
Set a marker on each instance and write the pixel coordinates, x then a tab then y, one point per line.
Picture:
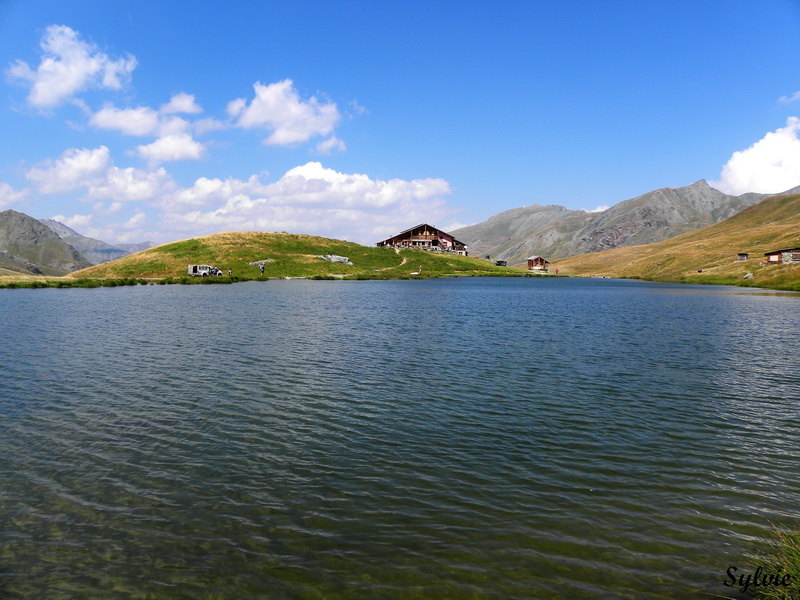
335	259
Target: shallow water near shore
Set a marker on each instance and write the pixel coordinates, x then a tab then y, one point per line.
459	438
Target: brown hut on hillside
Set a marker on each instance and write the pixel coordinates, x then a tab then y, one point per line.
537	263
785	256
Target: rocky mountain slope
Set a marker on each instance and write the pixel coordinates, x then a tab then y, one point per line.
557	232
710	254
95	251
28	246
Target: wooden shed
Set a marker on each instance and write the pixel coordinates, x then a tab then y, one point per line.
537	263
784	256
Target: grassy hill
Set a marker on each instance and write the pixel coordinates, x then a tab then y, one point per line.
772	224
292	255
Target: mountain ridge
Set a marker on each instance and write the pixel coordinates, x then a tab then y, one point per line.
30	246
95	251
710	254
556	232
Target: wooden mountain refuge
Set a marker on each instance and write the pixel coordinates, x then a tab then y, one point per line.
537	263
425	237
785	256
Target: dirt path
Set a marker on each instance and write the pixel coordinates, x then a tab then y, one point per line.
405	259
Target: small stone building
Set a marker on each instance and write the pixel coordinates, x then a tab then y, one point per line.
742	256
785	256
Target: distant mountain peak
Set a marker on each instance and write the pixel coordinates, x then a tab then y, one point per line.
32	243
95	251
557	232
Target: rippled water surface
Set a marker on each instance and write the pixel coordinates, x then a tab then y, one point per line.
470	438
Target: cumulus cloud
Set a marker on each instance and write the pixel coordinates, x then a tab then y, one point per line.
172	147
331	146
174	141
278	107
308	199
9	196
74	221
93	171
68	66
601	208
135	221
769	166
206	191
74	169
139	121
792	98
129	185
181	103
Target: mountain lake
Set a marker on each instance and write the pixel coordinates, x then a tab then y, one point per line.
441	438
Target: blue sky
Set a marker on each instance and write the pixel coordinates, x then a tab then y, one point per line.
143	120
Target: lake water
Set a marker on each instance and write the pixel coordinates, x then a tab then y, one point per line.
458	438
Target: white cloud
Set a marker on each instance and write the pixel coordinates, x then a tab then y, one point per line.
278	107
135	221
94	171
787	99
331	146
142	120
9	196
202	126
207	191
769	166
69	66
601	208
74	169
181	103
130	185
174	142
79	221
172	147
309	199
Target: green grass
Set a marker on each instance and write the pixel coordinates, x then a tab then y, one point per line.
290	256
780	556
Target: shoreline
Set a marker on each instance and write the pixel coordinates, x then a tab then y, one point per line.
66	282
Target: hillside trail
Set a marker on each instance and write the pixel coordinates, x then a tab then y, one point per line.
404	261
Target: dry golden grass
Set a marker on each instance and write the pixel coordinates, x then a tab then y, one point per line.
708	255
